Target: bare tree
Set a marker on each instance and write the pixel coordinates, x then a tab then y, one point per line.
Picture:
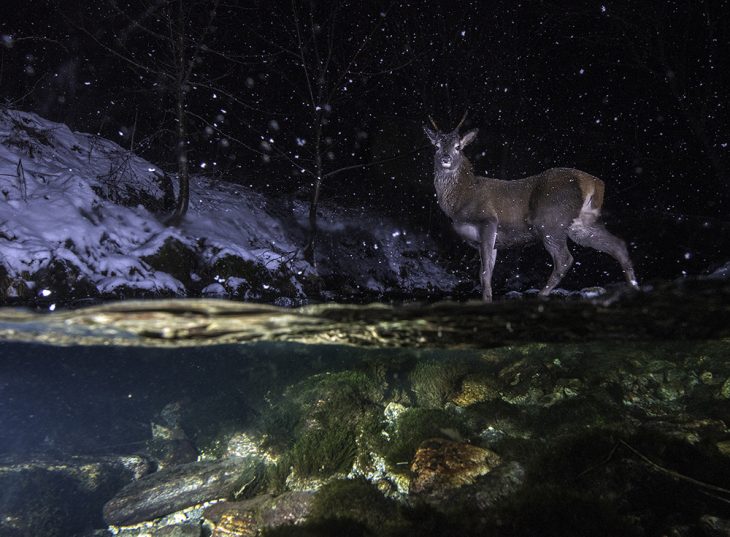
324	56
163	42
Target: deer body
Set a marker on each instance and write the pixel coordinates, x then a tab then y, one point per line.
555	205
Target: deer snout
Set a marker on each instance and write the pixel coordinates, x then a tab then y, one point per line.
446	162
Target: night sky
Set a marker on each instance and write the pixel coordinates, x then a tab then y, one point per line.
635	93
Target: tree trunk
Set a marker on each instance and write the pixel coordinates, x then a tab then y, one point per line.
310	248
182	151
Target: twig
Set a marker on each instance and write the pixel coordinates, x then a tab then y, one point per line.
604	461
677	475
375	162
243	487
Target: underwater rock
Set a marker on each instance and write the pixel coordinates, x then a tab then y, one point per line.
57	497
376	470
525	382
170	444
185	523
713	526
475	389
505	480
659	388
249	517
174	488
435	381
393	411
443	464
242	444
724	447
176	530
725	389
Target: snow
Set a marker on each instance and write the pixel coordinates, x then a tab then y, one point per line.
95	207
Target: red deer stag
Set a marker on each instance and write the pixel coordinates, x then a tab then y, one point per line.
549	207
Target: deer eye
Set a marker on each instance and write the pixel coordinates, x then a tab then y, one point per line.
457	147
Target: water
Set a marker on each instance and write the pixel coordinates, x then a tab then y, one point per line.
605	417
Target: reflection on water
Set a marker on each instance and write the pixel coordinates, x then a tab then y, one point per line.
176	432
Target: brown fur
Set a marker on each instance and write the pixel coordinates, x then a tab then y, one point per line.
549	207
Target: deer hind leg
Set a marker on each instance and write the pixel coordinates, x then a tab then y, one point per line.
557	247
598	237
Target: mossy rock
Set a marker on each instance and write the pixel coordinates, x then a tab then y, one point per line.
315	457
348	507
416	425
604	465
342	395
725	389
324	528
277	424
317	424
358	501
553	510
323	452
475	388
52	504
434	382
324	400
357	509
176	259
64	280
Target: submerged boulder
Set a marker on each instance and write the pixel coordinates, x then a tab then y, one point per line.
443	464
59	496
250	517
175	488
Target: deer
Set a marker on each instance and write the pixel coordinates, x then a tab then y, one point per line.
490	214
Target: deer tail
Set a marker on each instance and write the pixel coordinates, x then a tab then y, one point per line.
592	190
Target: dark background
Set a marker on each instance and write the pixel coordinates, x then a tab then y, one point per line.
633	92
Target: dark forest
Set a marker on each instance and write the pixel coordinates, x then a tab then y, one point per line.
325	101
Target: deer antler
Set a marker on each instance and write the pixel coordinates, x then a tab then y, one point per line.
462	119
433	123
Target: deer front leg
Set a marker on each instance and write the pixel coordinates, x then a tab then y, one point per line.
488	255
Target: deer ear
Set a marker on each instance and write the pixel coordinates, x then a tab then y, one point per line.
469	137
432	136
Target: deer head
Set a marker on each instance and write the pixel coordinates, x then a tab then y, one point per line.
449	145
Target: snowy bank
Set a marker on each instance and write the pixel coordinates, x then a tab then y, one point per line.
79	218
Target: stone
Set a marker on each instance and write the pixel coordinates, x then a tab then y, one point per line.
724	447
713	526
475	389
249	517
725	389
504	481
242	444
56	496
177	530
177	487
444	464
392	411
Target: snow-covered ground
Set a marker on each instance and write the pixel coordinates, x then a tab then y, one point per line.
81	216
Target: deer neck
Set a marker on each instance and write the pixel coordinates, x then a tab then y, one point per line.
453	186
